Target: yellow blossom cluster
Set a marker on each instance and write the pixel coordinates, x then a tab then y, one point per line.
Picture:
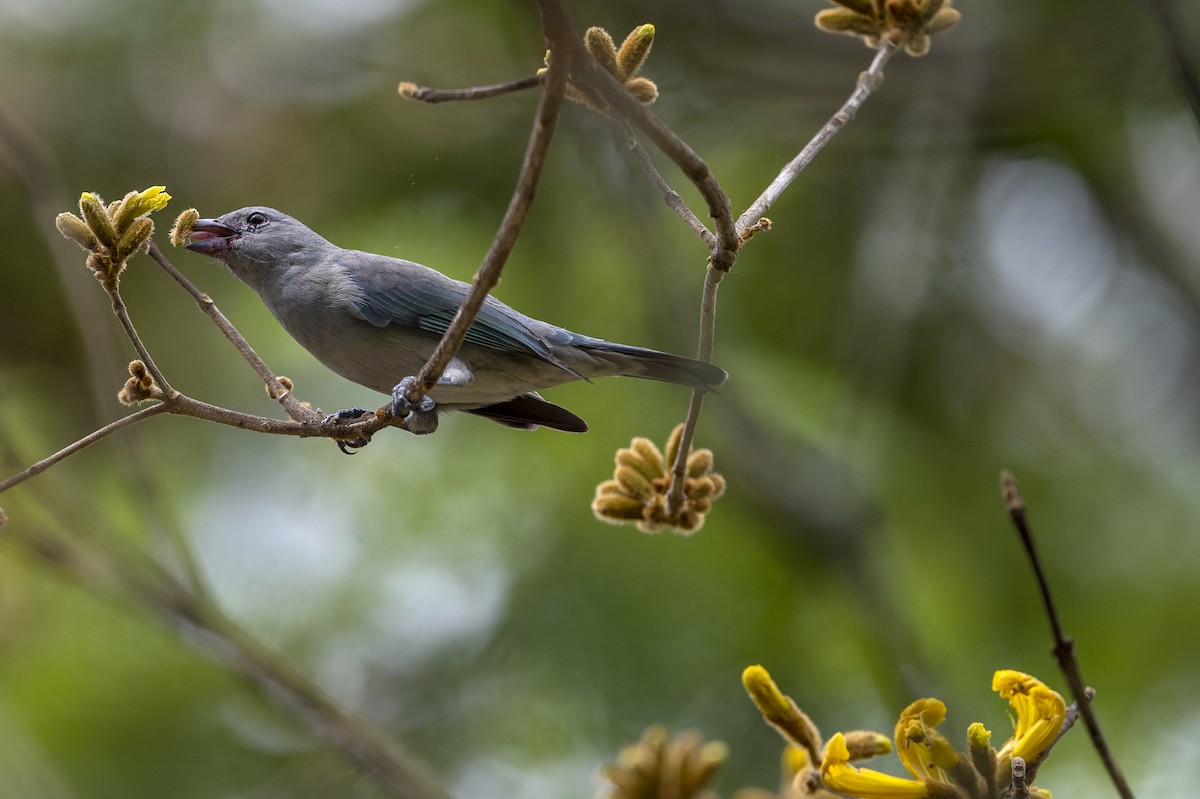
113	232
825	768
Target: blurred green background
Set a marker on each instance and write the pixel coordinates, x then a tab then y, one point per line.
993	266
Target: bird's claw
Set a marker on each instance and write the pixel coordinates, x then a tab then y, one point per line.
401	406
419	419
349	415
348	447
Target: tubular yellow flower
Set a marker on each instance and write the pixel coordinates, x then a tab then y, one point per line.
838	775
1040	713
780	711
923	750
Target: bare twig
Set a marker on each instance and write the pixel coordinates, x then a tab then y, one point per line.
1064	647
747	224
122	314
672	198
86	441
294	408
558	31
425	94
708	332
588	76
868	82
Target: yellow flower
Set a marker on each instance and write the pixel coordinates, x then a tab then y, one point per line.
1040	713
923	750
838	775
938	771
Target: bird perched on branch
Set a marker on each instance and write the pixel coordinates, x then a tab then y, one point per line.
376	320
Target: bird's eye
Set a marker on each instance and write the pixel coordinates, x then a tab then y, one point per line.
256	219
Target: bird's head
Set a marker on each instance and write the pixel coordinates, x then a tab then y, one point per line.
256	239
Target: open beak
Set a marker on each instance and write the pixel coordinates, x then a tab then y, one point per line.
209	236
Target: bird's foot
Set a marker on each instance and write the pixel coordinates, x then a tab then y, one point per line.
349	415
420	418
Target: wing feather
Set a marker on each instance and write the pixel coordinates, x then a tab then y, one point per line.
393	291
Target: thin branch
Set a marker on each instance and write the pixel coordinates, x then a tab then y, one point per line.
122	314
425	94
588	76
868	82
86	441
557	31
708	332
294	408
672	198
749	223
1064	647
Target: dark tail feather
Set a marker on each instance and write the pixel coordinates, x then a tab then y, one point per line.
529	411
655	365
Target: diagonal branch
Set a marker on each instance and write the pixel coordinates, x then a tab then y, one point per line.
295	409
558	31
86	441
1064	647
868	82
588	76
671	197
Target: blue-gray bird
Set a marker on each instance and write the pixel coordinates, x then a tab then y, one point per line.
375	320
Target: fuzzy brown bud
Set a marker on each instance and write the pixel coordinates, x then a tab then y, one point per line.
134	237
600	44
182	229
76	230
140	385
634	50
644	90
96	216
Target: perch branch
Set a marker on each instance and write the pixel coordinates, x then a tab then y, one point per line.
557	30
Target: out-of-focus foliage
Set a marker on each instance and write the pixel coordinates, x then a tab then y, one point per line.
993	266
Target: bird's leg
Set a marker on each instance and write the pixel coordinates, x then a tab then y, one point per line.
349	415
419	419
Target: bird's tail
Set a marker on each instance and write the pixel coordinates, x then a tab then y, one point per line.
655	365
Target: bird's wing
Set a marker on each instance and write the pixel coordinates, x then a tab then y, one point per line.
406	293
